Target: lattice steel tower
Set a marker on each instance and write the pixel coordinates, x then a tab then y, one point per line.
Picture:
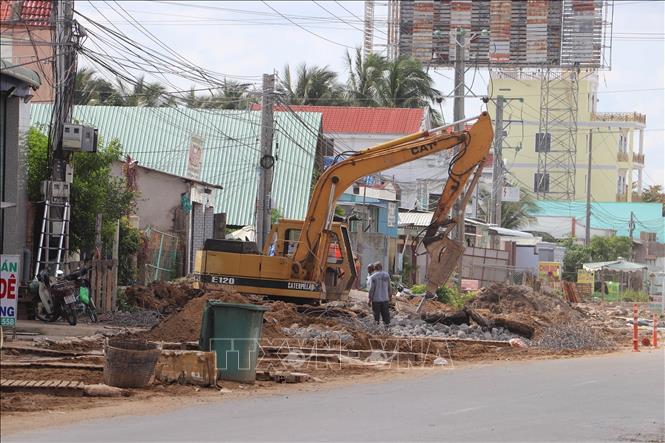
556	140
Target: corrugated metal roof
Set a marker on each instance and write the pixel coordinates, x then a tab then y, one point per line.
420	219
159	138
357	120
610	215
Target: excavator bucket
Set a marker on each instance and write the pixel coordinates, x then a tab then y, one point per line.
443	256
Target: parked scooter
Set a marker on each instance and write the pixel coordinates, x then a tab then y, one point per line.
56	297
64	296
85	304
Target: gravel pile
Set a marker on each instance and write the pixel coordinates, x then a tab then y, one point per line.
313	333
572	336
403	326
142	318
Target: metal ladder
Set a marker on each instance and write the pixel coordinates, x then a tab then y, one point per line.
54	237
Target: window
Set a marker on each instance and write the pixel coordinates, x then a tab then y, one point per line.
6	48
623	143
621	184
433	202
292	236
328	146
543	141
541	182
334	250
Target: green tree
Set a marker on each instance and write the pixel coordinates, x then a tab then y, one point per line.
90	90
231	95
514	215
654	194
599	249
365	76
93	191
405	84
142	93
609	248
313	85
129	244
573	259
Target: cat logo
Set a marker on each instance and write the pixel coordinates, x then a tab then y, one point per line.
417	150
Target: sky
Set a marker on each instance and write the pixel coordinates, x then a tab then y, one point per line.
246	39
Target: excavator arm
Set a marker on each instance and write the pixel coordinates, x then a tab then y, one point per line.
310	252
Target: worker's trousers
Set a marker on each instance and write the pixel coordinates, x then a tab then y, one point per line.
381	311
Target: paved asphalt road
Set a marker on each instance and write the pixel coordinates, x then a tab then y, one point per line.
617	397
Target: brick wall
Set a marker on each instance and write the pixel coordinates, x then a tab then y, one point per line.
202	227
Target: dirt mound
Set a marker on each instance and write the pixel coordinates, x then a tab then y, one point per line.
520	309
159	296
185	324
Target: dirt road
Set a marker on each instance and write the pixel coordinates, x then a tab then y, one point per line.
612	397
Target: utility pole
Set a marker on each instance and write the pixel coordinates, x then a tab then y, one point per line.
264	191
458	114
64	70
497	170
587	227
631	230
54	238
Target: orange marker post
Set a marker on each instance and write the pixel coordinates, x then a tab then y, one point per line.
635	341
655	331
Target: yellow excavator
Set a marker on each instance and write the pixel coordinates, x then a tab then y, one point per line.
312	260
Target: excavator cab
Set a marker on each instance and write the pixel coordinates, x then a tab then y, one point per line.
339	267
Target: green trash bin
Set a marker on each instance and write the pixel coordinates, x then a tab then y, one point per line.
233	331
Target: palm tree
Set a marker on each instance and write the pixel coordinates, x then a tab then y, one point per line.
313	86
406	85
90	90
231	95
514	215
365	78
144	94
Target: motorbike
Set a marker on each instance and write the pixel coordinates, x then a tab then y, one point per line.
85	304
64	296
55	298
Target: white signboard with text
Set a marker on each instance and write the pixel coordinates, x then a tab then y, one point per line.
9	281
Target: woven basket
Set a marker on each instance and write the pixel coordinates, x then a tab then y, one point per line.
129	363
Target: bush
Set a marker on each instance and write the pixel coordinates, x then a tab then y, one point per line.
453	297
418	289
634	296
129	244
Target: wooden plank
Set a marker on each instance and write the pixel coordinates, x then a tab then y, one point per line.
48	352
89	366
98	284
108	293
114	287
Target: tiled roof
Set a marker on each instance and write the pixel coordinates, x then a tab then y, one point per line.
33	12
355	120
159	138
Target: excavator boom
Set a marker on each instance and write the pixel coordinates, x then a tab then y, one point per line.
474	145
